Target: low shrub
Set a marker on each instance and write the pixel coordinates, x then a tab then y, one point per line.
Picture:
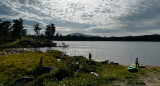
62	73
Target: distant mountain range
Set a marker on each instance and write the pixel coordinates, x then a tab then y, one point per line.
81	34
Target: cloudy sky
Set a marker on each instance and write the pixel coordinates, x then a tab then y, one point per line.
94	17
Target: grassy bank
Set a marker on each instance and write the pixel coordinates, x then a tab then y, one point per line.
27	42
67	70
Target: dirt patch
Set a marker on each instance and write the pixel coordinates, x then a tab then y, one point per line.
121	83
152	78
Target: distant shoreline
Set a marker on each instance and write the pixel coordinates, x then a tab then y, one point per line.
106	41
145	38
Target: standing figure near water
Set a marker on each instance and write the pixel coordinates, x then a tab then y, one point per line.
90	56
137	64
40	62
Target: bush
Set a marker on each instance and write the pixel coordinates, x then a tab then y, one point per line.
79	58
35	72
85	68
73	66
60	74
39	81
49	44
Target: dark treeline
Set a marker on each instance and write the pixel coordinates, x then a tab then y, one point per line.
126	38
15	30
10	31
49	31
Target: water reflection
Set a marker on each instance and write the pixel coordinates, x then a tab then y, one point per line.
121	52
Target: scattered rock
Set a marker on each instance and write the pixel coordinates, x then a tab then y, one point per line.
58	60
113	63
142	66
24	80
16	50
95	74
46	69
105	62
77	71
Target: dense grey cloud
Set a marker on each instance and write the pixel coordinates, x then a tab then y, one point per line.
5	10
145	18
142	18
100	17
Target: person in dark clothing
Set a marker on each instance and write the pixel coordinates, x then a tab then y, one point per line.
40	62
90	56
137	64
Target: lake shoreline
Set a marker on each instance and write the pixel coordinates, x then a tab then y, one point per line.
121	52
79	68
11	51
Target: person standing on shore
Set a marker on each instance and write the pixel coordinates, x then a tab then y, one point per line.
90	56
137	64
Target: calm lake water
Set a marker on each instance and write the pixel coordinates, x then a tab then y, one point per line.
124	53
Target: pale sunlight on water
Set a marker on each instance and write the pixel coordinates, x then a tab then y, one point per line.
124	53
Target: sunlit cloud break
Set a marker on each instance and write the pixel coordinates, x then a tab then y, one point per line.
102	17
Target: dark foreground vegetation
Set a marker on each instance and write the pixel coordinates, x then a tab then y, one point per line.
55	68
26	42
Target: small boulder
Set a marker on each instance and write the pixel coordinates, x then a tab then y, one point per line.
113	63
24	80
46	69
105	62
95	74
